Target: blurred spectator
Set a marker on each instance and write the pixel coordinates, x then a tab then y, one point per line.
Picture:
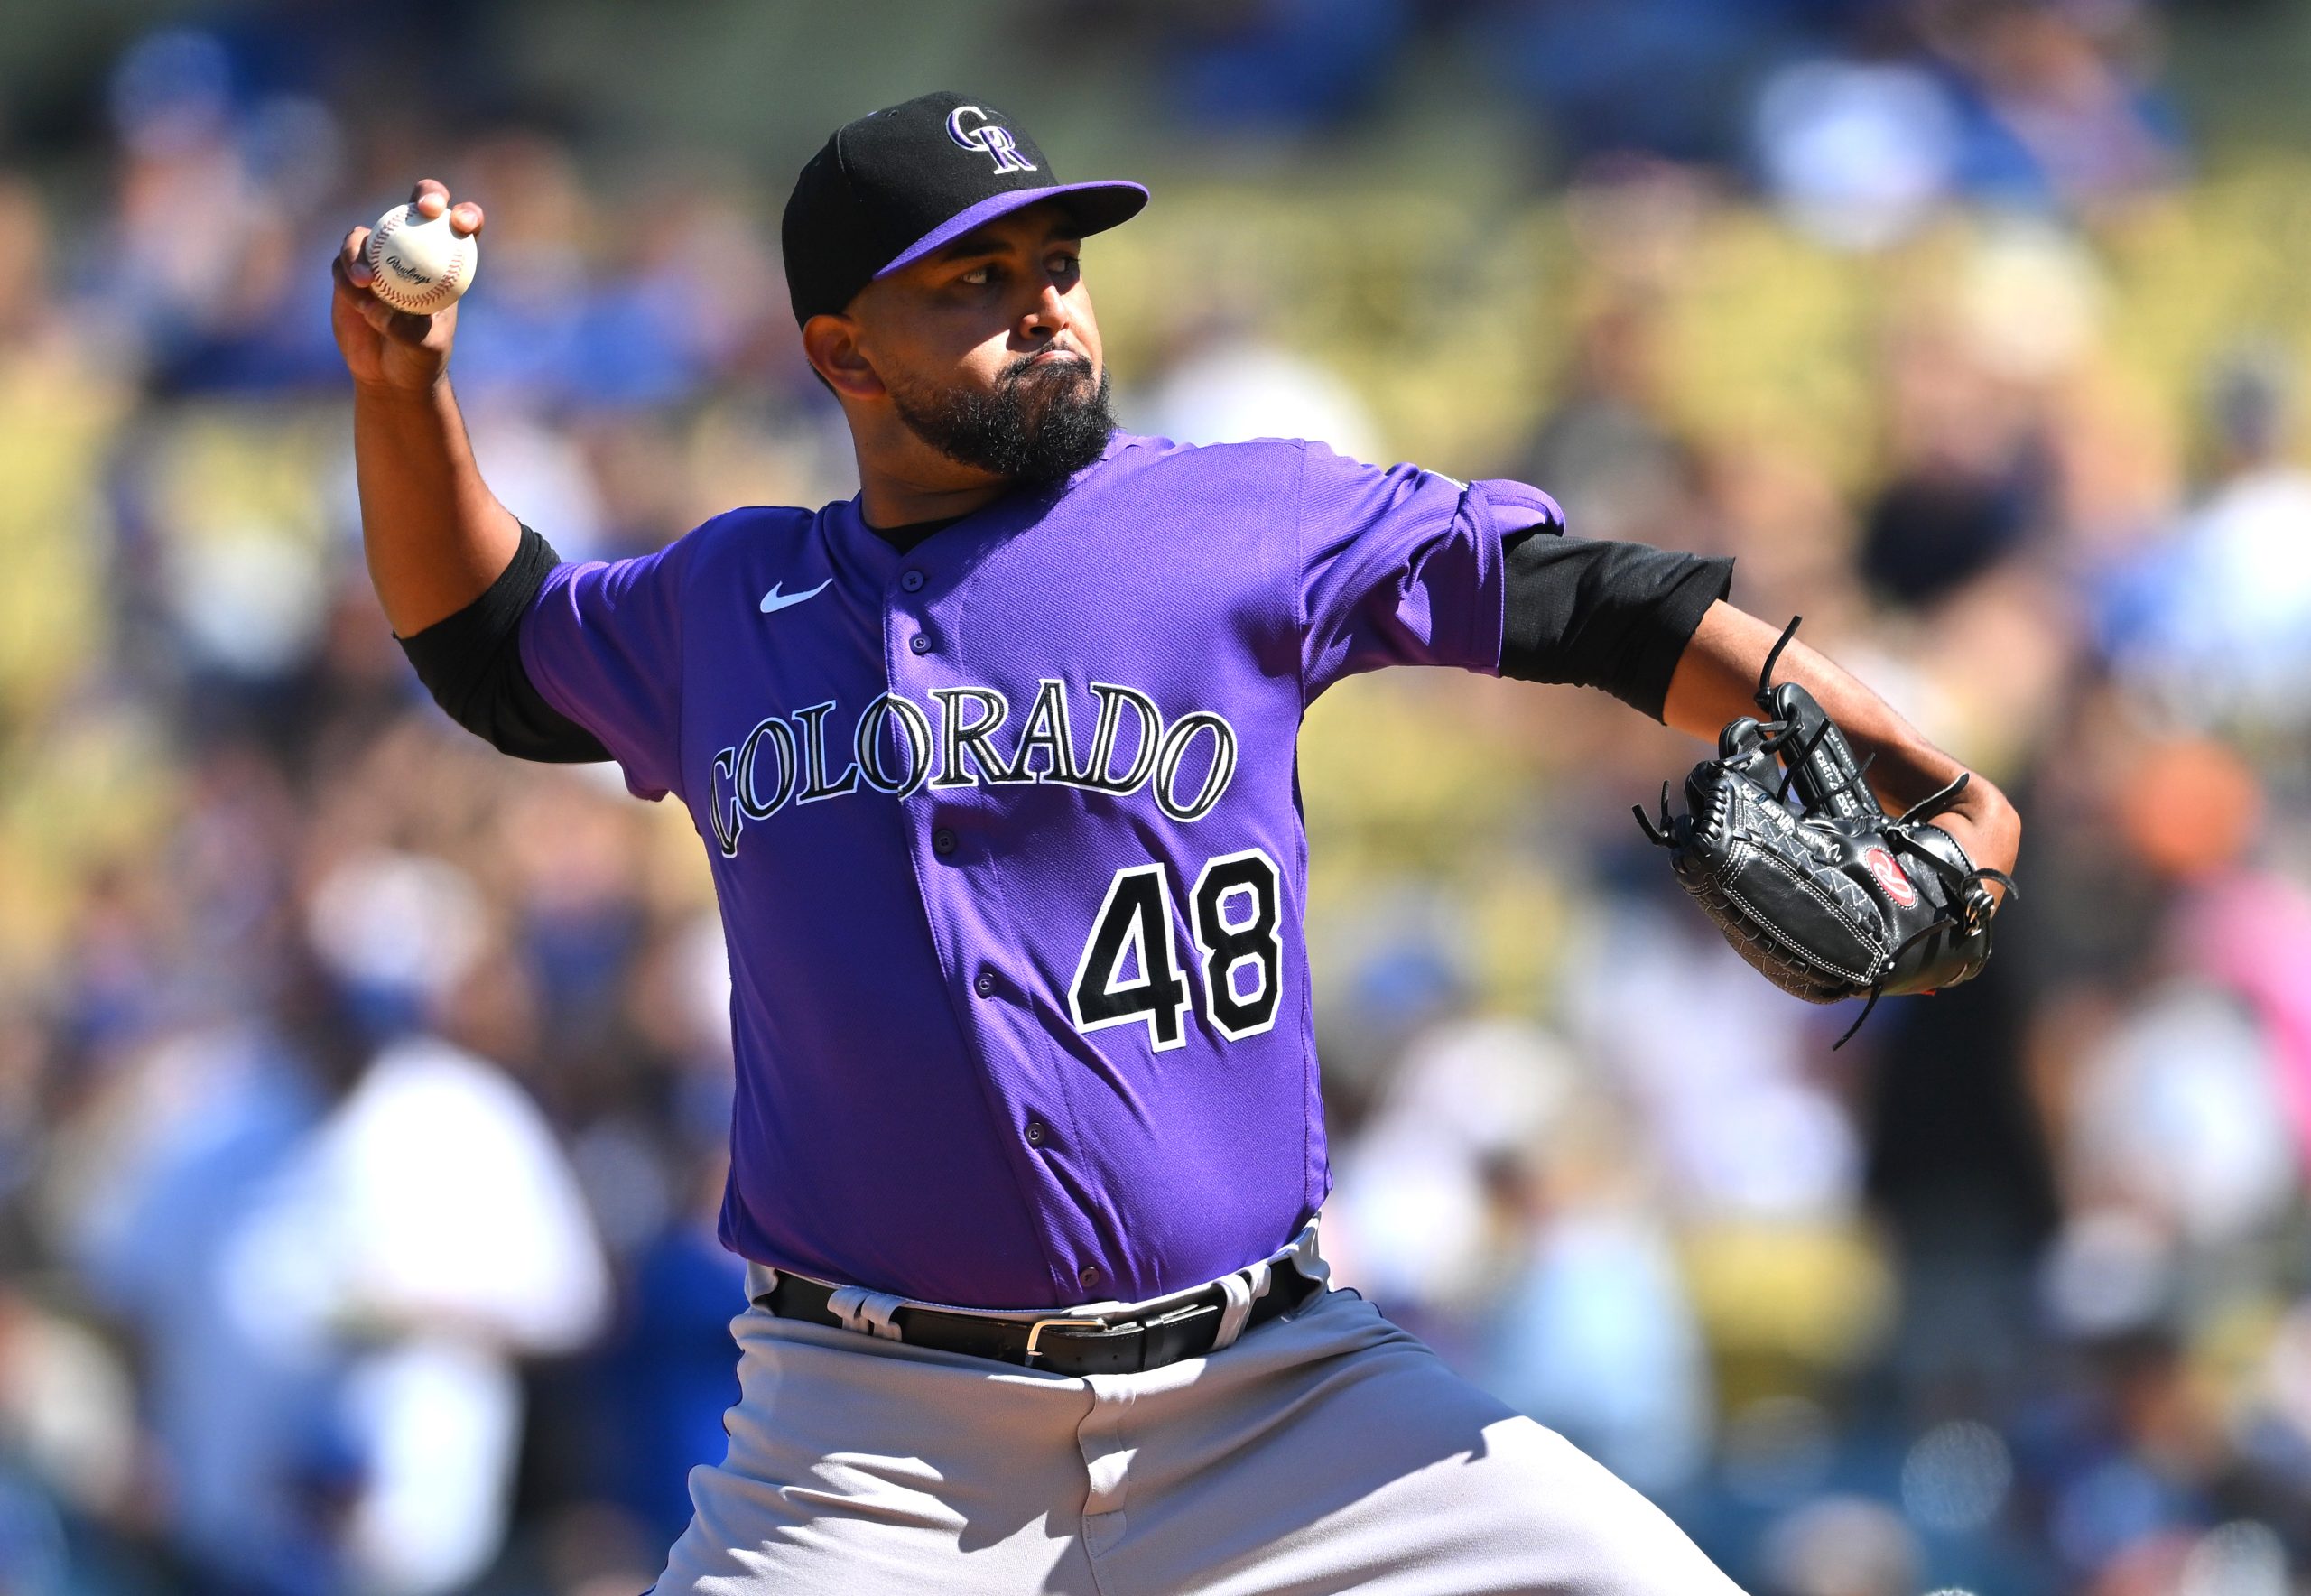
1603	451
1658	76
2056	110
1281	64
364	1097
1596	1339
1961	490
427	1233
2218	622
1843	1546
202	1129
1859	154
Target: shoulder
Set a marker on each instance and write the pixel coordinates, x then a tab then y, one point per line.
1290	463
1257	459
746	529
658	582
1314	484
721	541
1241	491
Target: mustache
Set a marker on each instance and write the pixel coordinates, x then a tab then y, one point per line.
1020	367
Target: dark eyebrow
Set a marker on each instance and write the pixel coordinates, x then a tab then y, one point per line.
980	244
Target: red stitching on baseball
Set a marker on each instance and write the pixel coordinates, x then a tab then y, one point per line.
379	283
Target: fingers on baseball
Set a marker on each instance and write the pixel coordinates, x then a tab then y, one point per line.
382	320
400	326
430	198
352	262
465	218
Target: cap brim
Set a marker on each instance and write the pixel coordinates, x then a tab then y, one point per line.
1096	206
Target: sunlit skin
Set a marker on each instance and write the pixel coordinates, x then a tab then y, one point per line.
1012	290
1718	672
435	536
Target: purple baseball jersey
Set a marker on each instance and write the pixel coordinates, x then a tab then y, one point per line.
1005	832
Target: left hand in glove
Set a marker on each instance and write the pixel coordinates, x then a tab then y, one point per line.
1832	898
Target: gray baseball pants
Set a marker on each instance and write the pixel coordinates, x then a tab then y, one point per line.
1325	1451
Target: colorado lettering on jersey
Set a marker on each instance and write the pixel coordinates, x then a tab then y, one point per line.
894	746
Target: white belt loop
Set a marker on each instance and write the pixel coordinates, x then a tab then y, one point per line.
1305	1257
1242	1289
868	1313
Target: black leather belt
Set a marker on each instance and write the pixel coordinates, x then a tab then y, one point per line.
1061	1345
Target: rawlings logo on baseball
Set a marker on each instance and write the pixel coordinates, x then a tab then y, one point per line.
1890	879
419	264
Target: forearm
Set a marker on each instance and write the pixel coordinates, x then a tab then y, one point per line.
435	536
1716	680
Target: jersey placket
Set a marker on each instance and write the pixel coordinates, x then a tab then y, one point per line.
959	817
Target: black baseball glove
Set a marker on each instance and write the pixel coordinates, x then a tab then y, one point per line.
1832	898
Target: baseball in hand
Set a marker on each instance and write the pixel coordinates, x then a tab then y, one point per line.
419	265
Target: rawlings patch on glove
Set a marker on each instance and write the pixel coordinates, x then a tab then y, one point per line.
1833	898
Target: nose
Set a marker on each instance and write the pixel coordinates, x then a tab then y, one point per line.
1048	316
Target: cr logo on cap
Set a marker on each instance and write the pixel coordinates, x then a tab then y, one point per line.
988	137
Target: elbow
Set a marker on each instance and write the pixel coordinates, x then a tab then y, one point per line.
2006	819
1993	825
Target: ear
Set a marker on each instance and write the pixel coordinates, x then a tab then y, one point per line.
831	343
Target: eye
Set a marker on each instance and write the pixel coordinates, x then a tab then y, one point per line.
1064	265
977	276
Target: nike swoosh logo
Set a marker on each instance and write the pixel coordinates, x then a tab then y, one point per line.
773	601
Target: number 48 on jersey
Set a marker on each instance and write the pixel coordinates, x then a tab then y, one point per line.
1130	968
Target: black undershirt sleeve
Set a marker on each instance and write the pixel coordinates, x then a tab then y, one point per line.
472	663
1608	614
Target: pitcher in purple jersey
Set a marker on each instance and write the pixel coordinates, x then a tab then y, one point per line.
993	766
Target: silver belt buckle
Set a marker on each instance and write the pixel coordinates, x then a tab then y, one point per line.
1036	1333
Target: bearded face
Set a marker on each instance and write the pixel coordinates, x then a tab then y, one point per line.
1045	418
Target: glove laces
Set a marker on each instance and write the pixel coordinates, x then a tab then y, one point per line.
1964	885
1970	904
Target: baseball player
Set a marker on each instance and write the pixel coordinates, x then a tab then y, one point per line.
993	766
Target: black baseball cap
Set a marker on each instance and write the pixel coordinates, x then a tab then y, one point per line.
889	189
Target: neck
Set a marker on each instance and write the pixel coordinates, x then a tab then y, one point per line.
887	502
899	486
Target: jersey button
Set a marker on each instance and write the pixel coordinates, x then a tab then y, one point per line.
985	985
919	643
912	581
1038	1133
1088	1276
942	842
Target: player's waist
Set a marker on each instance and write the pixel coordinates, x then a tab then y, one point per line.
1092	1338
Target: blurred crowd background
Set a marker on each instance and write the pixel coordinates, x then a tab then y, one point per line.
363	1095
